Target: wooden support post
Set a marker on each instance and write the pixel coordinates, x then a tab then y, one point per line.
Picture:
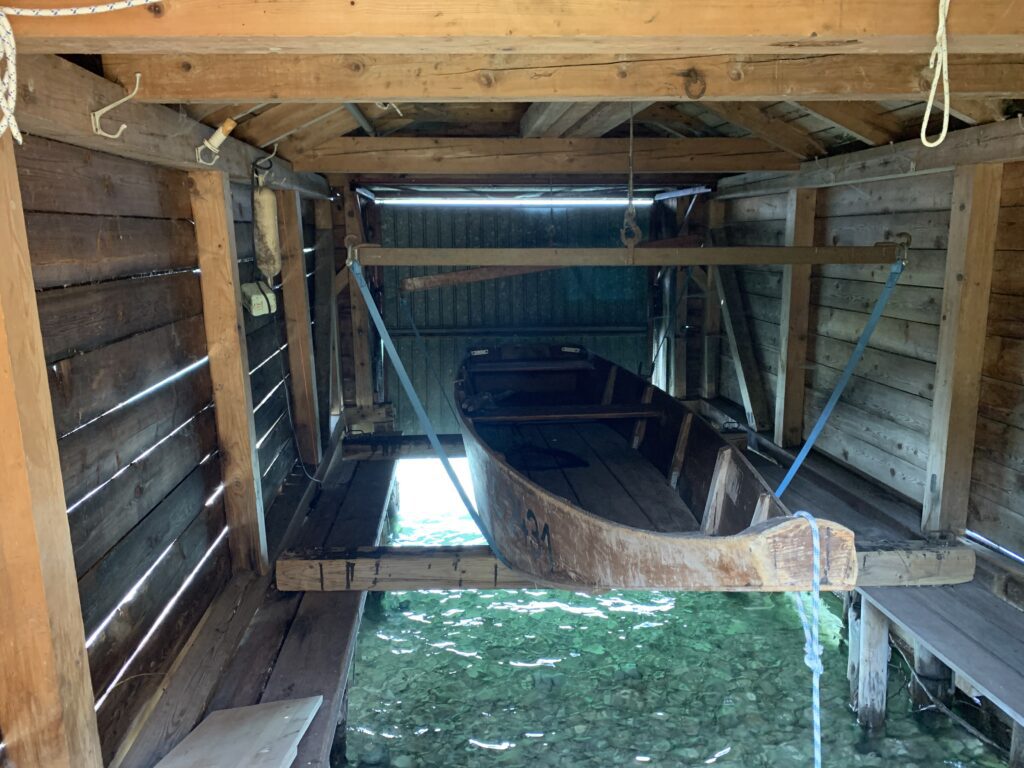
1017	747
965	298
796	302
295	292
873	665
46	698
361	356
853	646
711	329
229	369
677	329
325	329
932	678
748	374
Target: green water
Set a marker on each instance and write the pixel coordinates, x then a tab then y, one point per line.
553	678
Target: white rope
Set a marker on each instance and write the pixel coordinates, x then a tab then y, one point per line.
811	625
939	63
8	51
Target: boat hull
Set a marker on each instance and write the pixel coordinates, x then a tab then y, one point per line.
558	542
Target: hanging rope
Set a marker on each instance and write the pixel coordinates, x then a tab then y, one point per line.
940	71
812	644
630	232
9	53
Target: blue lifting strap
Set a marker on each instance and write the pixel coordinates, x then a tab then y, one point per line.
417	404
844	379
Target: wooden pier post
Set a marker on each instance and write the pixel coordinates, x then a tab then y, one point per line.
1017	747
853	651
873	666
934	680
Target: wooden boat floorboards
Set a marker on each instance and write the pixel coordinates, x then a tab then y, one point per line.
588	477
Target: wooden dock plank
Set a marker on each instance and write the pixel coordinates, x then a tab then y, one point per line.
317	653
971	630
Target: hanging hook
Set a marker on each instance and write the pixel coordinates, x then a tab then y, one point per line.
99	113
212	144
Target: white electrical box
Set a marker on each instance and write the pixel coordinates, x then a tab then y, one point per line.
258	300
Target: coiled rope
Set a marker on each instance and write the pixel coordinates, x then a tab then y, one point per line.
939	64
812	644
9	53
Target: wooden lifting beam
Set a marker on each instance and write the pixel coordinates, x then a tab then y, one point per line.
383	569
883	253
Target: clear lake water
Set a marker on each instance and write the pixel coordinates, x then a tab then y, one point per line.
556	678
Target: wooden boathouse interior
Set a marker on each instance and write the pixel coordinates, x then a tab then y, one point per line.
180	474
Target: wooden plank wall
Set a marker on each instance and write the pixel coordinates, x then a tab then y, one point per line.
267	345
881	425
114	263
996	507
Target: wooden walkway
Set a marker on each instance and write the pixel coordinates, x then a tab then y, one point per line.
259	645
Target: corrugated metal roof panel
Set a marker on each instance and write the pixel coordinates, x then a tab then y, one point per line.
600	308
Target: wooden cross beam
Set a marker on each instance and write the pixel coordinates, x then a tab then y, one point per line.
561	79
416	155
883	253
528	26
385	569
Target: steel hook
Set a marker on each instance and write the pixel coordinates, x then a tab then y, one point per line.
96	116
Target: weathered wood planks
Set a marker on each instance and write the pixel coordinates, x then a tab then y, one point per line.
386	569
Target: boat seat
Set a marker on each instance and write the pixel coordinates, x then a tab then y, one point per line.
565	413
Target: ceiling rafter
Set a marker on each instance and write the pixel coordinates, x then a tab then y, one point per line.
865	120
775	131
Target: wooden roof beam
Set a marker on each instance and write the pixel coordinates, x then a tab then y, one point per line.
978	111
1001	142
478	77
306	139
528	26
554	156
281	121
606	117
867	121
55	98
776	132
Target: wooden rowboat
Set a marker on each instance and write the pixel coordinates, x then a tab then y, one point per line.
588	477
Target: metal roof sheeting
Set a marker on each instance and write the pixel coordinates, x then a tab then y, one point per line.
600	308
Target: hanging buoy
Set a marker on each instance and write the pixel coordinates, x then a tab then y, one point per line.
266	236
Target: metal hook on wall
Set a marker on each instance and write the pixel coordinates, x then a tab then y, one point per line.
99	113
